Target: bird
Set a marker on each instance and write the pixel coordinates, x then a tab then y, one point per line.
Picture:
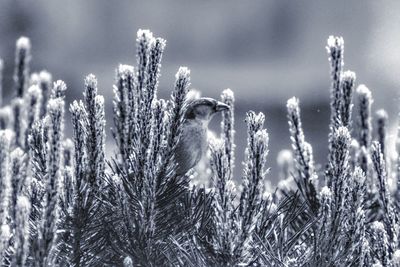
193	141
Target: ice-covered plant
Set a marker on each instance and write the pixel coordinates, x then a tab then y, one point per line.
306	177
62	203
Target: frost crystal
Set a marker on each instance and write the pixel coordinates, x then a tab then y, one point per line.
326	192
45	76
334	42
396	257
364	91
23	43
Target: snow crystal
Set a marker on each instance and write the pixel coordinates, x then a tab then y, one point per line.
4	231
377	264
99	100
91	81
60	85
23	204
334	41
6	135
34	78
228	94
125	69
285	157
273	208
23	43
54	105
17	153
378	226
231	186
182	73
262	136
343	132
349	75
45	76
396	257
34	90
381	114
364	91
128	262
144	33
326	192
292	104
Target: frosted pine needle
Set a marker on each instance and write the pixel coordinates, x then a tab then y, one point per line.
22	59
58	90
5	235
124	110
143	43
1	81
307	179
380	243
6	137
381	128
384	194
335	49
18	172
34	102
45	84
19	122
347	84
5	117
363	117
94	105
227	125
21	239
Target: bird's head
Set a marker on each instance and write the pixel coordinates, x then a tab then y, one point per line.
204	108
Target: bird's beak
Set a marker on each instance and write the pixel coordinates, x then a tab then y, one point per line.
221	107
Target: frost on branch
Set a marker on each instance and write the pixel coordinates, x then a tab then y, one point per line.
63	202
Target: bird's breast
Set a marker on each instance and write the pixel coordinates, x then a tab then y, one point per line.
191	147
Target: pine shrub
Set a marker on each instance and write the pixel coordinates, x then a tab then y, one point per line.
63	203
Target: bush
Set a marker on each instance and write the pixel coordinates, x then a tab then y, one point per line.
63	204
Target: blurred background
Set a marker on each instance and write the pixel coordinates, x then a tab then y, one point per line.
265	51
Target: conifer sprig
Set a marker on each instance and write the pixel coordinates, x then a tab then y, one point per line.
307	179
60	204
22	59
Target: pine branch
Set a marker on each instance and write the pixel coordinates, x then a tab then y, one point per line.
19	180
21	72
347	81
227	126
381	126
363	123
307	180
5	190
125	110
21	238
1	81
5	117
34	101
335	49
390	220
45	85
19	122
45	254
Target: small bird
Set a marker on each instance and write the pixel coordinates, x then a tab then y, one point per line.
193	142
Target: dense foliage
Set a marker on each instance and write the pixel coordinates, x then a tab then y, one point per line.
62	203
